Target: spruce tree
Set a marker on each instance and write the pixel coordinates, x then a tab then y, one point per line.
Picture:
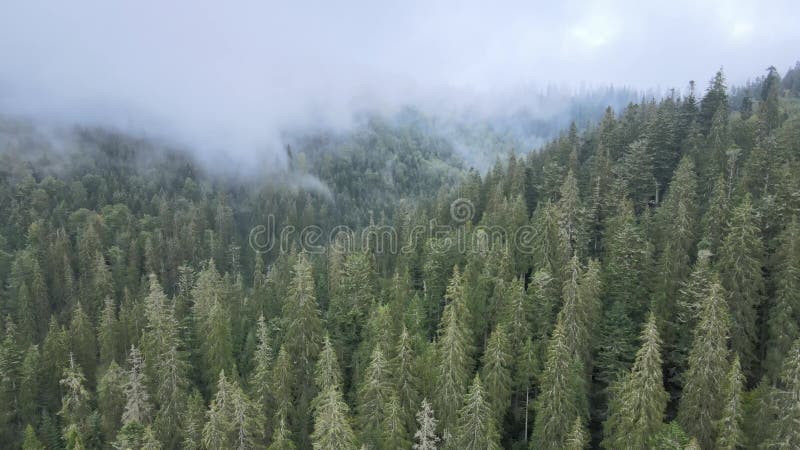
578	438
425	438
784	432
262	372
281	437
476	428
455	363
332	429
82	342
703	399
75	401
373	397
302	339
30	441
111	399
740	267
639	401
496	372
730	435
137	401
394	434
784	317
562	395
405	378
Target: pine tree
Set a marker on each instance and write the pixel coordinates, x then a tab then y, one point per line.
784	433
729	428
137	401
639	402
425	437
740	266
703	400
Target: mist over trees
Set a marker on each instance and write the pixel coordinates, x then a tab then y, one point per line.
653	304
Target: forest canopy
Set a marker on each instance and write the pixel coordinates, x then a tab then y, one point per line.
653	300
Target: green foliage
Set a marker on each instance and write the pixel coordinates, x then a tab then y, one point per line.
676	216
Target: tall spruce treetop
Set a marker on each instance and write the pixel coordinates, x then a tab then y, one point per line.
455	363
425	437
639	402
303	336
476	428
562	395
785	434
784	317
702	401
740	267
137	401
730	435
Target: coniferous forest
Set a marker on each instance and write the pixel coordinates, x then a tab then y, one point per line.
633	283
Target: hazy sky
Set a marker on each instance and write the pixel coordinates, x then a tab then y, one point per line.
231	73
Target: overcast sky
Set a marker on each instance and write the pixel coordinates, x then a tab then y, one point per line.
237	71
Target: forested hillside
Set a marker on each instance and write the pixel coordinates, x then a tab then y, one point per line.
631	284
